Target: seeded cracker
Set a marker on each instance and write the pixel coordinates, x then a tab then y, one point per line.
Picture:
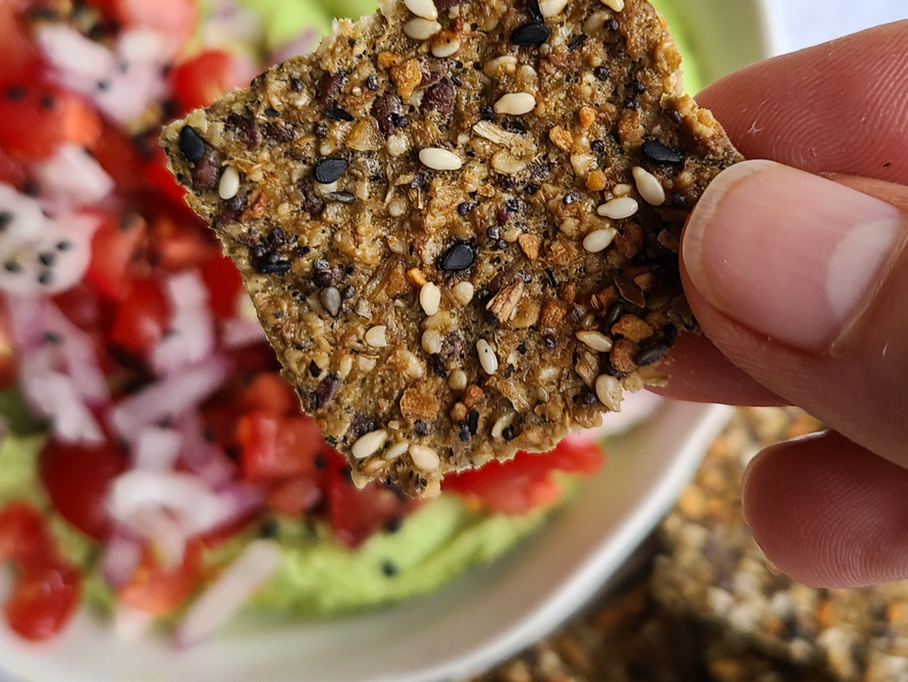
458	221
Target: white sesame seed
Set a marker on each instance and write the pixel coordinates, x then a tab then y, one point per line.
551	8
617	209
431	341
229	184
616	5
369	444
437	158
421	29
595	340
446	49
424	458
422	8
501	424
487	358
608	390
397	144
377	336
463	292
515	104
396	450
430	298
599	240
457	380
649	187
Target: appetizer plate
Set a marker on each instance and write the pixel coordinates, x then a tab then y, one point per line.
492	612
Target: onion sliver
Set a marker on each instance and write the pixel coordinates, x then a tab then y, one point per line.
236	585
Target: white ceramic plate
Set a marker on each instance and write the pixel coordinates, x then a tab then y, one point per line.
492	612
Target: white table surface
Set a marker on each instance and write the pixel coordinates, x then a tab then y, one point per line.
808	22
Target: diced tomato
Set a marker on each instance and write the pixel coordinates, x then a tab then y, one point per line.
180	241
295	496
176	18
77	478
9	357
160	178
269	393
356	514
49	589
11	172
275	448
207	76
224	283
23	535
38	116
118	155
114	255
158	590
18	54
44	600
141	320
525	482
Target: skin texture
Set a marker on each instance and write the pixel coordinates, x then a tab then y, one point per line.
831	510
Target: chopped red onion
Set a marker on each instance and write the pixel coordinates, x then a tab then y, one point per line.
122	556
79	352
229	23
191	337
227	595
239	332
202	457
73	54
164	533
73	178
54	395
170	396
157	449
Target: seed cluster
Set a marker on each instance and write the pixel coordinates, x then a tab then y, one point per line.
460	221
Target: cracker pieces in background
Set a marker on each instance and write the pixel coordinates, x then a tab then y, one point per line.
458	221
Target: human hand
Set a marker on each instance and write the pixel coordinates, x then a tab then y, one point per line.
800	284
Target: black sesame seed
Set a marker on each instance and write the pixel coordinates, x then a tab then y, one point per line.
650	355
389	568
297	85
670	332
46	278
6	217
103	85
48	102
338	114
456	81
15	93
659	153
12	266
64	245
531	34
271	112
458	257
613	315
508	372
602	73
473	421
522	348
550	341
577	41
266	266
192	146
330	169
420	428
597	146
571	197
467	206
508	433
551	278
47	259
535	12
372	82
589	398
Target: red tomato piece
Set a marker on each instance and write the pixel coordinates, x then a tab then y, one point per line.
23	535
356	514
158	590
49	589
11	172
270	393
142	319
161	179
224	283
9	358
77	478
44	600
118	155
115	251
275	448
181	241
525	482
38	116
295	496
18	53
207	76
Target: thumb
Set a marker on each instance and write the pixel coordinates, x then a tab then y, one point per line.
802	282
